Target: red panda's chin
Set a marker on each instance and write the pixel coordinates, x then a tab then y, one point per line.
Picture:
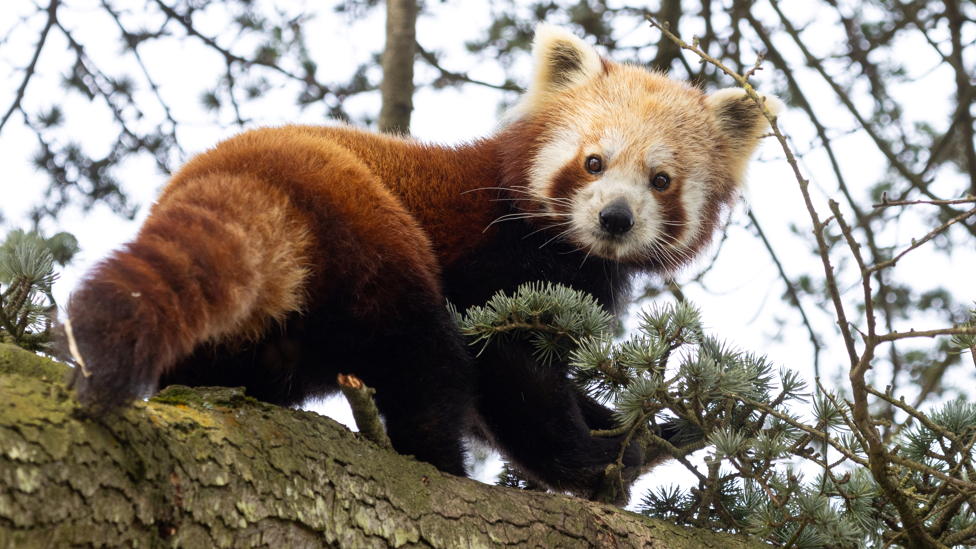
628	249
621	248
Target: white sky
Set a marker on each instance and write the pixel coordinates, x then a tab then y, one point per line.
742	300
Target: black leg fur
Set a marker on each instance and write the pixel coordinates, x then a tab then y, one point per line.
421	372
424	386
536	417
596	415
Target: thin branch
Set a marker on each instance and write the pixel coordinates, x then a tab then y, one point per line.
152	83
228	56
431	60
925	469
920	417
803	427
916	243
818	227
794	295
956	330
956	20
865	273
52	18
885	203
814	62
863	221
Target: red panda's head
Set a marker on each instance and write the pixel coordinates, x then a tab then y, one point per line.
629	164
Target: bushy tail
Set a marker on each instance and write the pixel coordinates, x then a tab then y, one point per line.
219	259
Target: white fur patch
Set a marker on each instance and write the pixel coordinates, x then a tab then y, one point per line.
658	156
590	201
610	145
559	150
693	197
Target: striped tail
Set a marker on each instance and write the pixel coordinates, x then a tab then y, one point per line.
220	259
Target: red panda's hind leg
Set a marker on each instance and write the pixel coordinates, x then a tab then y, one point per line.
424	383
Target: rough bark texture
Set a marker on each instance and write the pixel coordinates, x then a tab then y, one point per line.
214	468
397	86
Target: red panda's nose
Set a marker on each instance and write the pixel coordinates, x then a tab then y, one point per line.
616	218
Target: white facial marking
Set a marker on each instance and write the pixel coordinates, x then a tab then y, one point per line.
627	175
554	155
658	155
609	146
693	197
618	182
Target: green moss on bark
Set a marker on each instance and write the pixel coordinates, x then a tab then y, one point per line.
215	468
14	360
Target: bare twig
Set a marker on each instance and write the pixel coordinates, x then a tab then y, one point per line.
917	243
804	184
364	410
955	330
52	18
885	203
794	295
455	77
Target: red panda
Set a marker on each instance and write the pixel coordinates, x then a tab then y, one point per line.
284	256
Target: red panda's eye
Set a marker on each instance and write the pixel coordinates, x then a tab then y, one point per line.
594	164
660	181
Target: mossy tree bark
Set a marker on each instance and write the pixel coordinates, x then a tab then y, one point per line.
214	468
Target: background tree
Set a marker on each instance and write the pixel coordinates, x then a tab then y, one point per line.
397	61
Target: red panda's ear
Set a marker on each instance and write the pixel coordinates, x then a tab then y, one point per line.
560	60
741	124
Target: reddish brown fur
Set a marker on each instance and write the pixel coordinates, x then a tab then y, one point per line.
302	191
285	255
328	188
302	194
437	185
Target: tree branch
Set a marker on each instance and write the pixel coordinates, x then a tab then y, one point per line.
52	18
214	468
818	227
453	77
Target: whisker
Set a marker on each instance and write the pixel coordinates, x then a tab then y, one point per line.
671	257
530	214
587	256
484	189
529	190
526	215
524	190
518	189
573	251
523	215
547	227
555	237
525	200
